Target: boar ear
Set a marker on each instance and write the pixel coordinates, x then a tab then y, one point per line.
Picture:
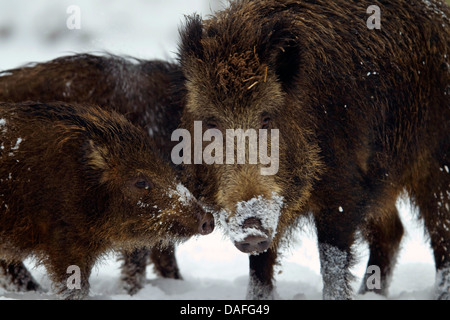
191	36
94	156
282	51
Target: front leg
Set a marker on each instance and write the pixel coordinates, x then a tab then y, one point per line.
335	238
70	275
133	272
16	277
260	285
334	267
383	232
165	262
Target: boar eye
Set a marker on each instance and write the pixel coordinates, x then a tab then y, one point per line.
142	184
212	125
265	122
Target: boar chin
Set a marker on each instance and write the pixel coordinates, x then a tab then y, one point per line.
254	223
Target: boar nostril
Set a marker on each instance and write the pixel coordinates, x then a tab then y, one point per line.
206	224
263	245
253	244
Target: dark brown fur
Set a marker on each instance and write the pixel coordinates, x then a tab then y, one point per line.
363	115
141	90
77	181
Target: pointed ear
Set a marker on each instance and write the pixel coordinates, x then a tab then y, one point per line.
94	156
190	38
282	51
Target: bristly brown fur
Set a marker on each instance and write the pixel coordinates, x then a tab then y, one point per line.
363	115
68	189
143	91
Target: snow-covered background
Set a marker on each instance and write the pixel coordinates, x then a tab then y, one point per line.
211	266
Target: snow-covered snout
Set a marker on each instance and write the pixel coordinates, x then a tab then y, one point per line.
251	207
172	212
253	225
185	202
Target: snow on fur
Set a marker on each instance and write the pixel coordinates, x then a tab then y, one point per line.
182	193
443	283
266	210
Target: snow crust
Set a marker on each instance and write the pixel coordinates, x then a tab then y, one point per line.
335	273
443	283
181	193
266	210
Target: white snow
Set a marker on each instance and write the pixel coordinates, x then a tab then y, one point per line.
442	281
19	140
181	193
334	272
142	204
211	265
266	210
3	125
213	268
432	7
185	196
37	30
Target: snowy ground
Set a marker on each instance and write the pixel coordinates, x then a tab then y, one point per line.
212	267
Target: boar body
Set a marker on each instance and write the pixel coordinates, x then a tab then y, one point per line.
78	181
363	115
141	90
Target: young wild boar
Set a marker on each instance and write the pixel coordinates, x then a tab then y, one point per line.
141	90
362	114
77	181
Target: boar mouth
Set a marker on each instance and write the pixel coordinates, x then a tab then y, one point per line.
254	238
253	225
189	213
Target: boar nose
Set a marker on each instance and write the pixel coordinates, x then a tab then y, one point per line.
206	224
253	244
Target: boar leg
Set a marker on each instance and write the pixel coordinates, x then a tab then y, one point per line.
383	233
133	269
133	274
70	273
336	233
260	285
432	196
165	262
15	277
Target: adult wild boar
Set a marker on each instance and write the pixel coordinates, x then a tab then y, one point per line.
139	89
77	181
362	114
